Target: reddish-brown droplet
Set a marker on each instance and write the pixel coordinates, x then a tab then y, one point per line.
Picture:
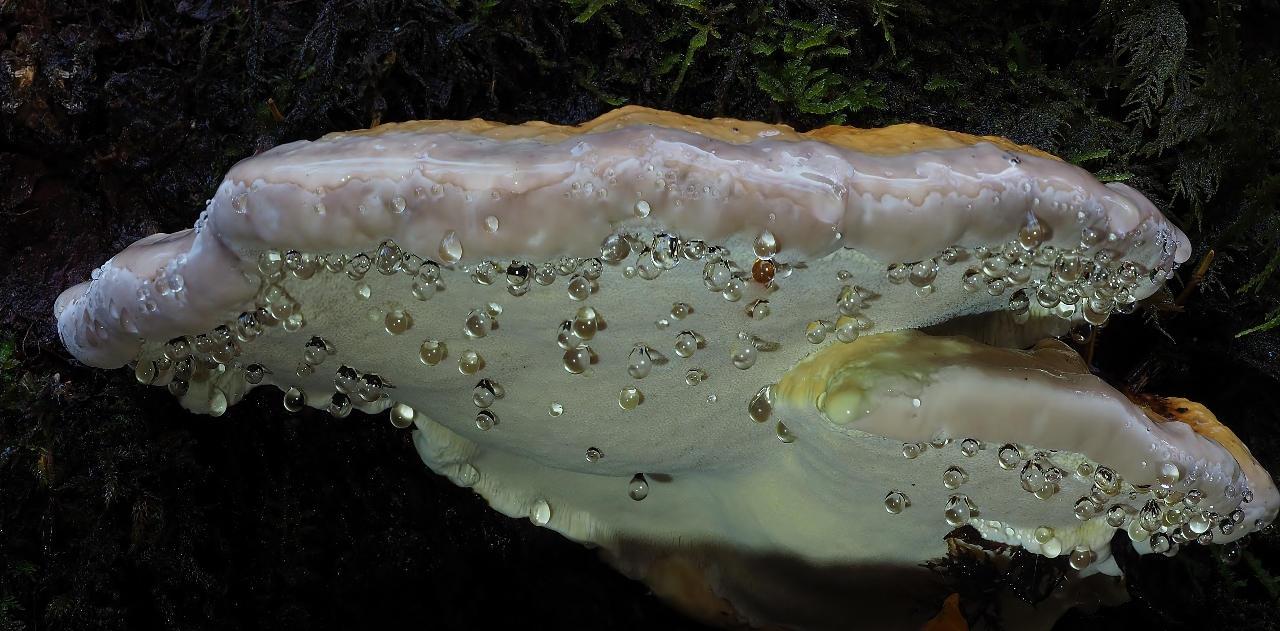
762	271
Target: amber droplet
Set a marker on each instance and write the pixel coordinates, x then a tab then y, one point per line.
762	272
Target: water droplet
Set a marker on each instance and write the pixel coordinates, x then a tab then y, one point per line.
594	454
629	397
398	321
758	310
763	271
694	377
484	394
765	244
1008	456
1080	558
614	249
369	387
577	360
401	415
579	288
686	344
816	332
432	352
1116	516
746	357
398	204
469	363
1032	234
953	477
556	409
638	488
1168	475
639	363
339	405
680	310
540	513
784	434
1051	548
485	420
450	248
642	208
1033	478
586	323
761	405
294	399
478	324
491	223
910	451
959	510
896	502
1107	480
923	273
145	372
897	273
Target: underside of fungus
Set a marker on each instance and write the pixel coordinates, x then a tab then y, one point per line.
697	344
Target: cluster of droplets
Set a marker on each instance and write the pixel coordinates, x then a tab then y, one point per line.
1091	280
1160	513
848	321
350	386
1168	518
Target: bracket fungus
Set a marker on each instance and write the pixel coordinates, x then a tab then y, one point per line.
697	344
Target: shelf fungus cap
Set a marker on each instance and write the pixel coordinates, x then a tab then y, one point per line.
694	343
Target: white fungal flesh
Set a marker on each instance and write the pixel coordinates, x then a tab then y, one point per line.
584	324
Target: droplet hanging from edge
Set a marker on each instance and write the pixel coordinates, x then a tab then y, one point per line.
401	415
638	488
145	372
217	402
540	513
896	502
294	399
340	405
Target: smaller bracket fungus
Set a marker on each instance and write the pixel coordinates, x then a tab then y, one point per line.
697	344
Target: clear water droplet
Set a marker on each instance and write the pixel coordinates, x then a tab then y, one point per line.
450	248
594	454
694	376
745	357
639	364
629	398
896	502
638	488
784	433
294	399
401	415
469	363
556	409
398	321
761	405
432	352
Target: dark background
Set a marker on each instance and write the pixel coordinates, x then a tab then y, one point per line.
118	118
